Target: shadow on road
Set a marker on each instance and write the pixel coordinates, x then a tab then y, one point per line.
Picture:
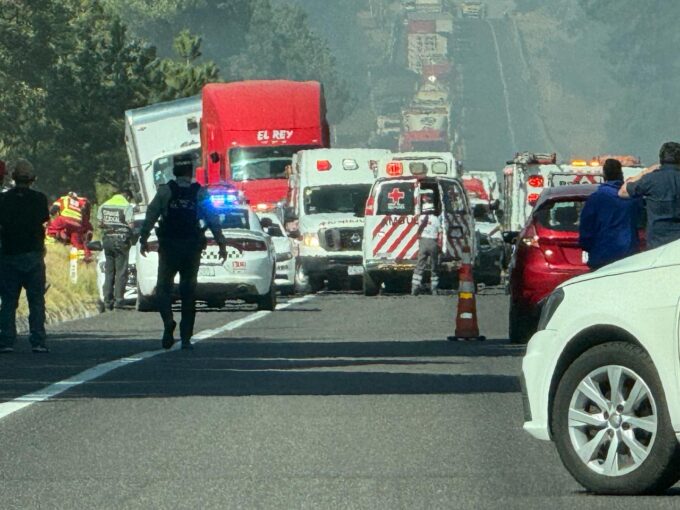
252	366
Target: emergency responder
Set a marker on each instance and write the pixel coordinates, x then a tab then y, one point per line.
608	224
23	214
115	220
429	228
659	185
70	220
180	205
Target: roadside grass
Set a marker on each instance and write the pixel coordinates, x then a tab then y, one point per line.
65	300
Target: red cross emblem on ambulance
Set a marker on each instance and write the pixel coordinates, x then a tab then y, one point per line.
396	196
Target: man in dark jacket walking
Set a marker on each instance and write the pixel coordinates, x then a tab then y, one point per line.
180	205
23	214
659	185
608	226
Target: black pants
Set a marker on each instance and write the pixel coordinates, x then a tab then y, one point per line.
25	271
183	257
116	252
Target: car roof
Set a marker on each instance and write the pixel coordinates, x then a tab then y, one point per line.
558	193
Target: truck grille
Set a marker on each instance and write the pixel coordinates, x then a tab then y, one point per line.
343	239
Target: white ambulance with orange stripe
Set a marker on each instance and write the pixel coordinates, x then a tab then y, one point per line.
327	192
391	228
528	174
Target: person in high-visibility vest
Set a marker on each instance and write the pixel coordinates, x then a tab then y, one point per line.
115	219
67	224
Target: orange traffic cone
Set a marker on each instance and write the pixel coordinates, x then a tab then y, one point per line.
466	315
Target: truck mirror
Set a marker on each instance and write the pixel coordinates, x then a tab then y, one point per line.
214	157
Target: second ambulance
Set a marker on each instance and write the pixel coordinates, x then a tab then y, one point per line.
327	192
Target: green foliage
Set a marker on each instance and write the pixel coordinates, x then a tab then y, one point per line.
280	44
68	71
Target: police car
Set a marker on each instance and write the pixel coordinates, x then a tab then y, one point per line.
285	249
247	274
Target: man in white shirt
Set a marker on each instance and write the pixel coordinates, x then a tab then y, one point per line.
429	227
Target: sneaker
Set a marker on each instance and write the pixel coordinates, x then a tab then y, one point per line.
187	345
6	349
169	336
40	349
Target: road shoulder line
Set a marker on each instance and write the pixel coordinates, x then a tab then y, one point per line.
90	374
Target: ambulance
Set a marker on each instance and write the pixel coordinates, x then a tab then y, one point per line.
529	173
391	233
327	194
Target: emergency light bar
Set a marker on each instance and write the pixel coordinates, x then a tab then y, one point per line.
350	164
417	168
323	165
395	168
225	196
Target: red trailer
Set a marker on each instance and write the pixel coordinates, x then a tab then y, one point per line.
251	129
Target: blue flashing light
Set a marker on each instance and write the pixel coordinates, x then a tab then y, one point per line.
223	200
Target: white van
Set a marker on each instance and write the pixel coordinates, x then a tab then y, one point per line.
391	233
327	193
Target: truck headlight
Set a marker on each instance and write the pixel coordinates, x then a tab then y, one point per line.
549	308
311	240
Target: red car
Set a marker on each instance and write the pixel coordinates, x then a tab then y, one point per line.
547	253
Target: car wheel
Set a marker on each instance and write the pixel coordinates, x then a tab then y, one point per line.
611	424
146	303
315	284
521	325
287	290
268	301
371	286
335	283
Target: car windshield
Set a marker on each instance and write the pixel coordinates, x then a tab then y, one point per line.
237	218
561	216
253	163
336	199
162	167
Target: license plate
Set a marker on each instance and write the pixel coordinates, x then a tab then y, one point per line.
238	265
206	271
355	270
584	257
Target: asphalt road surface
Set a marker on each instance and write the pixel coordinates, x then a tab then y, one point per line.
337	401
495	110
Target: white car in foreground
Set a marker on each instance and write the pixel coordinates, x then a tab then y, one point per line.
601	377
247	274
285	250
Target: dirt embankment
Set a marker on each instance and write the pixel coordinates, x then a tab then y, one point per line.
64	300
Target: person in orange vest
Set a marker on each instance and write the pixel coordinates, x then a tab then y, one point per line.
67	224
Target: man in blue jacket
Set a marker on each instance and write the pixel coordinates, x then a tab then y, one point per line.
609	223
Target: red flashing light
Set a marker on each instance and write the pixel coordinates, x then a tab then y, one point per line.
395	168
323	165
533	198
536	181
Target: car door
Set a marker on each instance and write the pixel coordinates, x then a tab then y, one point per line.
458	220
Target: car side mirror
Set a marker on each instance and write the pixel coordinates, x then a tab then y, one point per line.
510	237
95	246
214	157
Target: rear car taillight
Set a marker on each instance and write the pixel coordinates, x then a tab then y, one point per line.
533	198
248	245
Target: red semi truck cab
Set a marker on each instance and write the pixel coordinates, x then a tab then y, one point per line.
251	129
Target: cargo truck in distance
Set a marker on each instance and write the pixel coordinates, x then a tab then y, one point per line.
156	133
250	131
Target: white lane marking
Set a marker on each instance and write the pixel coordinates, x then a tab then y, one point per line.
97	371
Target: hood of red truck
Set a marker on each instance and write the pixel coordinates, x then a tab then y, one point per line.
264	191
